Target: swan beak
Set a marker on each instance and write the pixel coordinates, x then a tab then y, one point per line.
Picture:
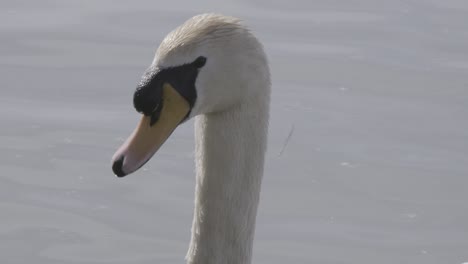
149	134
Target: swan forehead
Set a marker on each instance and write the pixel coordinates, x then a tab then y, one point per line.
180	45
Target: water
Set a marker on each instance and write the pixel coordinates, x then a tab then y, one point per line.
371	94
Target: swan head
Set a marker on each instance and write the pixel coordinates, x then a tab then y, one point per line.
207	65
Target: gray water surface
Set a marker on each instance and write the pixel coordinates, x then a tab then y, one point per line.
373	96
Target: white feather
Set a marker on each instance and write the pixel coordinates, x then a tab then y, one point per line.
233	95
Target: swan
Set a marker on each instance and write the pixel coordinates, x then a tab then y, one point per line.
214	69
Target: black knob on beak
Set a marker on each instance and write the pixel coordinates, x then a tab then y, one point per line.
117	167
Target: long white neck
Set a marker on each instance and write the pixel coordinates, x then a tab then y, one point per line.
230	149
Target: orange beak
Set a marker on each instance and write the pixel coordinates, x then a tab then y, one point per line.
148	138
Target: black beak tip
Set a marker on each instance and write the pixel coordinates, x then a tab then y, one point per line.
117	167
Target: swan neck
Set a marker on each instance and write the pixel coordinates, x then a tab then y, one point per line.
230	149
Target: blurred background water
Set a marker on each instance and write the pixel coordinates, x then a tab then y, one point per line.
372	95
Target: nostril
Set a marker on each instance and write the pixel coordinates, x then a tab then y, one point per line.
117	167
